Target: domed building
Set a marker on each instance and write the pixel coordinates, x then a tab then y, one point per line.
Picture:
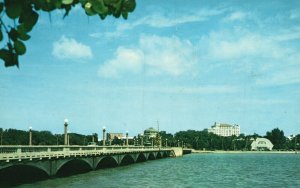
149	138
150	133
260	144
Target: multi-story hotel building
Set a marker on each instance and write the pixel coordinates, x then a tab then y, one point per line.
223	129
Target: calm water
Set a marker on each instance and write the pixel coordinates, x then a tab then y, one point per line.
195	170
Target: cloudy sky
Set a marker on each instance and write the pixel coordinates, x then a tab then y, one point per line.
184	64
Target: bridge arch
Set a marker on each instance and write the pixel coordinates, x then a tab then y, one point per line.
151	156
21	173
127	159
73	166
107	162
141	158
165	154
159	155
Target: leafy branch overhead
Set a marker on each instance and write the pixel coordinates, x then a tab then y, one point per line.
24	16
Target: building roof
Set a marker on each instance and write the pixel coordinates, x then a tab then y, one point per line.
151	129
261	143
223	125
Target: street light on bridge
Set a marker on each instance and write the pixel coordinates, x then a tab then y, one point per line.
66	131
30	136
104	129
68	137
126	138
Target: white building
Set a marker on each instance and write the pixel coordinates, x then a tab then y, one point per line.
261	144
222	129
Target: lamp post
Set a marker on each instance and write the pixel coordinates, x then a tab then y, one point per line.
66	131
142	140
152	140
68	137
166	142
160	141
2	136
30	136
104	129
126	138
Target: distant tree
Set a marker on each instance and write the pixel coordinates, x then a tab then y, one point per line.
116	141
43	138
276	136
167	136
18	17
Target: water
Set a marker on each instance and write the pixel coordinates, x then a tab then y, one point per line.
194	170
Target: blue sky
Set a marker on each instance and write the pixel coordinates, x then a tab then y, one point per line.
185	64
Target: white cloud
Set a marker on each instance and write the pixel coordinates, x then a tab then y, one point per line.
159	55
235	16
69	48
174	89
267	59
294	14
292	33
282	77
223	47
158	20
126	60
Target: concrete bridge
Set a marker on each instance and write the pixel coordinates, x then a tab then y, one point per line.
61	160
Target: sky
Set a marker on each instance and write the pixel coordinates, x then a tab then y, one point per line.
182	65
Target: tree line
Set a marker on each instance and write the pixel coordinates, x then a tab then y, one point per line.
199	140
21	137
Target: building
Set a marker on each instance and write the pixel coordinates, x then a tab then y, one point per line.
261	144
149	137
150	133
112	136
222	129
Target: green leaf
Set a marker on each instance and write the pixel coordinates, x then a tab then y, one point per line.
22	34
9	58
88	9
13	8
20	47
13	34
5	54
129	5
99	7
67	2
117	4
102	16
125	15
58	4
29	18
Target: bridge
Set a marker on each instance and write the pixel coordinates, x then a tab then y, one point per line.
63	160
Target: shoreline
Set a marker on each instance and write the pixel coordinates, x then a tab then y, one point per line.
245	152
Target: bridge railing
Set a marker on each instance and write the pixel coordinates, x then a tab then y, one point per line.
28	152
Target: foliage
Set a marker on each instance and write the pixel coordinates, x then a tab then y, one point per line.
24	16
20	137
276	136
199	140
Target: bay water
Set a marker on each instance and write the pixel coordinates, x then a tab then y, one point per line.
193	170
